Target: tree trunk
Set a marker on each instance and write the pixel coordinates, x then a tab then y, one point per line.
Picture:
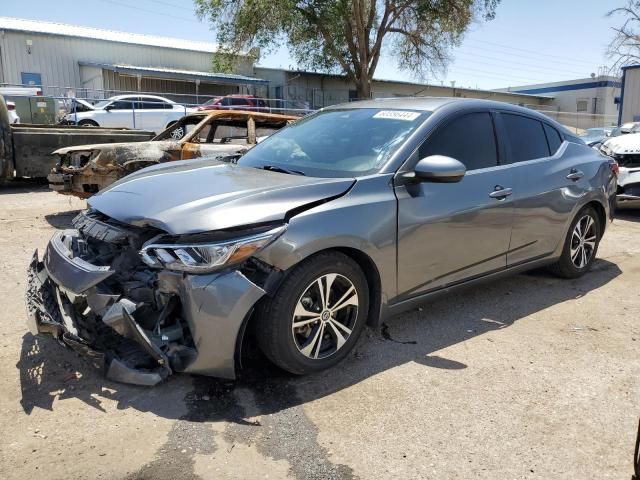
363	87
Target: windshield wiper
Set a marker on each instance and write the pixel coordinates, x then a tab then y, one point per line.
274	168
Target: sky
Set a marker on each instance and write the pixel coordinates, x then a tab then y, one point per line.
529	41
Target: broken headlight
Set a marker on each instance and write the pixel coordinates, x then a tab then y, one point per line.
206	257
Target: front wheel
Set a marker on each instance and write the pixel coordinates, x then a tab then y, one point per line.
580	246
316	316
87	123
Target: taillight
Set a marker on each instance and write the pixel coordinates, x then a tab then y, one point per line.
615	168
39	93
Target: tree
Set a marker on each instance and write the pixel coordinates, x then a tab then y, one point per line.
346	36
624	48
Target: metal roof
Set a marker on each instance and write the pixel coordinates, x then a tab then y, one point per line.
52	28
404	82
162	72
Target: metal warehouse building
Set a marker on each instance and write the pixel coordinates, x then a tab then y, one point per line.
75	61
630	95
592	100
87	62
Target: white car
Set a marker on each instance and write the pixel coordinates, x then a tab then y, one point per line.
625	149
145	112
13	116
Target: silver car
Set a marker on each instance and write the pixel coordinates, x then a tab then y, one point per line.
340	220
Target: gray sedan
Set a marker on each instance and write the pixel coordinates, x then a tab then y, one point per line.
340	220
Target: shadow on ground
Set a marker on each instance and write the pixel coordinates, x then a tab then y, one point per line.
628	214
47	369
23	185
49	373
61	220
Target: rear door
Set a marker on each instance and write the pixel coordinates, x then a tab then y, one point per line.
450	232
544	192
152	114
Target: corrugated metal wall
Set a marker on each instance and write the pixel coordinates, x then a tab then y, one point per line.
184	91
56	57
631	96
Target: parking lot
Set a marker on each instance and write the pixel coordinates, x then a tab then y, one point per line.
529	377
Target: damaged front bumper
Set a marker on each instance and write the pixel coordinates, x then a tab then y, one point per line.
628	192
81	183
184	323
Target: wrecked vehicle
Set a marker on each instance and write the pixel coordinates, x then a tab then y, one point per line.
344	218
625	150
84	170
25	149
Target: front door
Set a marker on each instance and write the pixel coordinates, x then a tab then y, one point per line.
119	115
449	232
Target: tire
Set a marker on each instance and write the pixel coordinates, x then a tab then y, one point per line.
571	263
87	123
297	350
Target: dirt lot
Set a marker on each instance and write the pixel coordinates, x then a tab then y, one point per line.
530	377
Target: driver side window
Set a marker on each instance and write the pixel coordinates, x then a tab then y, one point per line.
469	138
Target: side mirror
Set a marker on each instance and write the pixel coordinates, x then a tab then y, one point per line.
439	169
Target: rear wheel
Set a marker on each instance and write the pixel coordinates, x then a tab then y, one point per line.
316	316
580	246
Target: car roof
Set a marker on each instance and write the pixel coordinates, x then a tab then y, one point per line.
137	95
432	104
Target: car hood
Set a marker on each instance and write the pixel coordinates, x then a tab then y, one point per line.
203	195
111	146
85	103
628	143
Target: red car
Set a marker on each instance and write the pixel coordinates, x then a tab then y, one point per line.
236	102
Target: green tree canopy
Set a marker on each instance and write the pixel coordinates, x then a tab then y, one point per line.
347	36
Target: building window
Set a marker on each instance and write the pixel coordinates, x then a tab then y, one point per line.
582	105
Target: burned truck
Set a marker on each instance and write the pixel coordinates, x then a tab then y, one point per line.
84	170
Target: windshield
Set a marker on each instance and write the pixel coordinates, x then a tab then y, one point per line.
102	104
212	101
337	143
593	132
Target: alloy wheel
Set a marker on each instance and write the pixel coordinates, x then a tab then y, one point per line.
583	241
325	316
178	133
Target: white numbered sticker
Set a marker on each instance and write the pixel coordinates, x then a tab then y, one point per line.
397	115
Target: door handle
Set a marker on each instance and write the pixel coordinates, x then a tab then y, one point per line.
500	192
575	175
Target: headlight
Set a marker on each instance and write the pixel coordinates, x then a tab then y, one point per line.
206	257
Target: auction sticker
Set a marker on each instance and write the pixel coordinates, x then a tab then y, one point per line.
397	115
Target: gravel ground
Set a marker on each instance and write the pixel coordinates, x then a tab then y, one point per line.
529	377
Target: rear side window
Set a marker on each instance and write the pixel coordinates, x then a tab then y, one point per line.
526	137
469	139
553	138
239	101
230	134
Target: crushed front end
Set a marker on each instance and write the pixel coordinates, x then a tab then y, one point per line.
628	175
628	193
93	292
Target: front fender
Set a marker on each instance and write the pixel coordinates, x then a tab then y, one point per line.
364	220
